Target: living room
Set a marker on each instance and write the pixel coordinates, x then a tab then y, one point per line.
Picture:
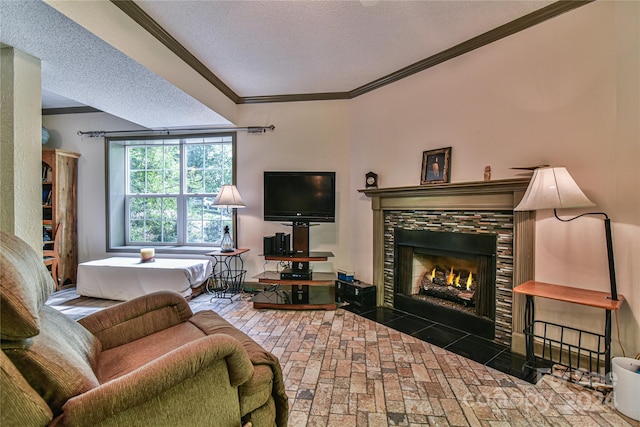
564	92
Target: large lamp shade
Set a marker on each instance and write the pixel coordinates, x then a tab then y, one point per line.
552	188
229	196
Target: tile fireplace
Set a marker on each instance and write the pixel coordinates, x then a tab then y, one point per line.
452	253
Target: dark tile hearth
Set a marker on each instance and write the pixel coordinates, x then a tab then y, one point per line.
462	343
380	314
440	335
409	324
475	348
511	363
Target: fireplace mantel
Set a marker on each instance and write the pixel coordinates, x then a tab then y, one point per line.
498	186
497	195
483	195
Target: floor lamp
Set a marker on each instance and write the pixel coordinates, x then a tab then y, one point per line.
554	188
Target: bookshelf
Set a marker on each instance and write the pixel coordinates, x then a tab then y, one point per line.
59	206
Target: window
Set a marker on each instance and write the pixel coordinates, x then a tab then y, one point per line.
161	190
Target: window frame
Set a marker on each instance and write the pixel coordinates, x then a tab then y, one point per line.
118	199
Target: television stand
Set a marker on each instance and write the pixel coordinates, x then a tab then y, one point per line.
299	287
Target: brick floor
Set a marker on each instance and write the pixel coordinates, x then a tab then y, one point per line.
344	370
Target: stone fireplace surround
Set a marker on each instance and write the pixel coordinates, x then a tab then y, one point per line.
460	221
461	207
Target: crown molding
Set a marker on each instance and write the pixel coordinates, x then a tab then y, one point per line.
69	110
510	28
145	21
515	26
294	97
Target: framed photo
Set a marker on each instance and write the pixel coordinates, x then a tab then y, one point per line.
436	166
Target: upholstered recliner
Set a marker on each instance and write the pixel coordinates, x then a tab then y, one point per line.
148	361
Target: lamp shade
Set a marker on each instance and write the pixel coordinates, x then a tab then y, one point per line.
229	196
552	188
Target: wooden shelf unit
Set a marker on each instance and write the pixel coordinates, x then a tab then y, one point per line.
310	257
318	279
275	306
62	182
301	254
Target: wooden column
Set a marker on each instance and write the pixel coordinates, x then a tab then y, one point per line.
524	228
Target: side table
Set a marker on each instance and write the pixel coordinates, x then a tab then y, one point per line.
228	273
571	345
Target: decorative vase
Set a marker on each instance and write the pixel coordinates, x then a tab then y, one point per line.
227	242
45	135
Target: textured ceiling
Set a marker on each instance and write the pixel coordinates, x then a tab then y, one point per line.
79	66
257	48
52	100
293	47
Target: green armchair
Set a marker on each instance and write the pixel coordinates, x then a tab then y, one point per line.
148	361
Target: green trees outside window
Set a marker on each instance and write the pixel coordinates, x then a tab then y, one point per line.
169	188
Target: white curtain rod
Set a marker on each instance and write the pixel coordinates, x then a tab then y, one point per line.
175	131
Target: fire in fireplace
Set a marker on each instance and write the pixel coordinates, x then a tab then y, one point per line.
452	280
448	277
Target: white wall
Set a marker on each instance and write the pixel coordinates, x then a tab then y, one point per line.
20	147
308	136
564	92
63	129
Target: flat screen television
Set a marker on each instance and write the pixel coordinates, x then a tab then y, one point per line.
300	196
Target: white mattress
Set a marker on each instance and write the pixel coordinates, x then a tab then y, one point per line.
120	278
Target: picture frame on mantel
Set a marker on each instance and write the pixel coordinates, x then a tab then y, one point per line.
436	166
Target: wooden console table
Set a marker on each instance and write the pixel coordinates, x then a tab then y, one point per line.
532	289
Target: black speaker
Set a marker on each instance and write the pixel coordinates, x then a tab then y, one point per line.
301	238
283	243
269	245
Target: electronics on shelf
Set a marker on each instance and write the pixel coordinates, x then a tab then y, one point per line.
360	296
280	244
291	274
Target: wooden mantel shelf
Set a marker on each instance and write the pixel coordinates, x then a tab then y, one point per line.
501	194
460	188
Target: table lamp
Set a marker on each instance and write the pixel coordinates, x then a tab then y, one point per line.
554	188
228	197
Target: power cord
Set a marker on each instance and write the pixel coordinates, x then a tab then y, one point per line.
619	340
282	265
637	356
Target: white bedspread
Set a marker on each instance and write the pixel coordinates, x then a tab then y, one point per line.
120	278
